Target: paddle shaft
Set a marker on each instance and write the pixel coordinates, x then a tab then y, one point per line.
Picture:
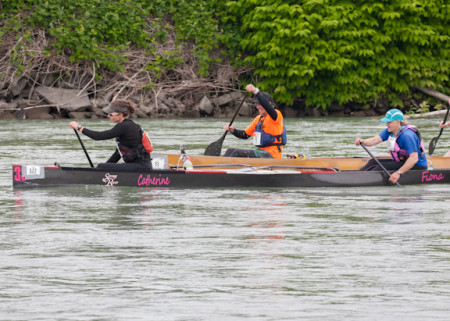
235	114
214	148
445	119
239	108
84	148
378	162
433	142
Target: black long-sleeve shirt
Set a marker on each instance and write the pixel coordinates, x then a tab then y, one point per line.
126	132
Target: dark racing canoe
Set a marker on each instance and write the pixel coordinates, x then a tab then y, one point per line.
343	163
236	175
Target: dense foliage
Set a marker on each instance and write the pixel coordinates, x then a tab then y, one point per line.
344	50
325	51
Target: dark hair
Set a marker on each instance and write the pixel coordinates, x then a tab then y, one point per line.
128	104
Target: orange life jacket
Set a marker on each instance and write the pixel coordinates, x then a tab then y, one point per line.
146	142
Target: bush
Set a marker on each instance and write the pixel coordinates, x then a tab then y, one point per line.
101	31
343	50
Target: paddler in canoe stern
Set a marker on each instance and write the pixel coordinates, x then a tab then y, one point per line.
404	143
267	129
443	125
128	135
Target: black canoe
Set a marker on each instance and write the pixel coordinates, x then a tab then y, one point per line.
25	176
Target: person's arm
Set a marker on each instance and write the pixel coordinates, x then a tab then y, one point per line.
267	106
76	126
409	163
107	134
270	109
442	125
114	132
240	134
236	132
375	140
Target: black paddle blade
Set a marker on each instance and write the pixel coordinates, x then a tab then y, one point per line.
432	145
214	148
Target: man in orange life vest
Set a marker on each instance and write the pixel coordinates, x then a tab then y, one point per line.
267	129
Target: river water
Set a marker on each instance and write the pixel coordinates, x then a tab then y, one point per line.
101	253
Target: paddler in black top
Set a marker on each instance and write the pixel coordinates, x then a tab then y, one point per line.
128	137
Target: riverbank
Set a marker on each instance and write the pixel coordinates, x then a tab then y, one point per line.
45	102
49	95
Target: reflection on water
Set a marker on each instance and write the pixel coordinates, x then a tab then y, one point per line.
100	253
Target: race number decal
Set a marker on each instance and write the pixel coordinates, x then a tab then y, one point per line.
33	172
257	139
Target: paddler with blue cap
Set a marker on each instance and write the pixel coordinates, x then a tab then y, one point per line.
404	143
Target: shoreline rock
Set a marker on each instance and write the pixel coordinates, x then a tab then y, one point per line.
43	102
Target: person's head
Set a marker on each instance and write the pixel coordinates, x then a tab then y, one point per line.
260	108
119	109
394	119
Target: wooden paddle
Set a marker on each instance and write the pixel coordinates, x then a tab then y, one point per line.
433	142
214	148
84	148
378	162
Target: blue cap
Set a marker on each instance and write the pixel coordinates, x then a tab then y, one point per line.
391	115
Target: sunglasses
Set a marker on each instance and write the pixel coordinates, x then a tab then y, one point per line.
112	114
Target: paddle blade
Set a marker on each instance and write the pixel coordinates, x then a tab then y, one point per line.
432	145
214	148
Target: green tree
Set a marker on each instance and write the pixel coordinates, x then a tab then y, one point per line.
342	50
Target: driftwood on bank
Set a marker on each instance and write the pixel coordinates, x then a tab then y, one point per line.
433	93
431	114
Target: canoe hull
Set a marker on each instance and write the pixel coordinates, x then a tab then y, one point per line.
39	176
343	163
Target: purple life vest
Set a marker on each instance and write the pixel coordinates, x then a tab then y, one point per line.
399	154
